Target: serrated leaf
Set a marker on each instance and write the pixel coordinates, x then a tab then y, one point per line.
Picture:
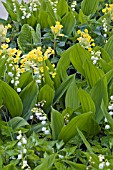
86	101
89	7
28	96
72	99
84	122
57	122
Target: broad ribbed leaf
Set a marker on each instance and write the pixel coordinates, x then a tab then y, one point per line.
68	23
84	122
47	163
28	96
62	8
63	87
2	66
46	93
109	47
99	93
74	165
17	122
25	79
89	7
92	73
57	123
11	99
86	101
78	55
72	99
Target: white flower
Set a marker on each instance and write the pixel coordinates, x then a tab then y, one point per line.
24	163
23	17
111	97
107	163
31	117
101	165
24	150
18	89
110	107
12	81
24	141
47	132
34	9
61	156
105	119
19	156
19	144
43	122
94	61
111	113
38	81
107	127
16	83
19	137
44	129
10	74
101	157
44	117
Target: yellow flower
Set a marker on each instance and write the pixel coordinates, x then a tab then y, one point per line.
89	49
4	46
22	70
7	40
8	26
41	69
78	32
104	10
93	44
0	52
45	57
53	74
40	59
86	31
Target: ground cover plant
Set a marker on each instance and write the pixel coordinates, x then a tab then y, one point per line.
56	85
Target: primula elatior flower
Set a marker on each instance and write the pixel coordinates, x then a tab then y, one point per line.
85	40
108	9
4	46
56	29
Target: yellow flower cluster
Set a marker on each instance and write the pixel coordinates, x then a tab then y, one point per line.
56	29
108	9
85	40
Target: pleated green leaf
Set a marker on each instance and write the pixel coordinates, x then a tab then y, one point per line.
86	101
57	123
109	47
72	99
62	8
84	122
11	99
89	7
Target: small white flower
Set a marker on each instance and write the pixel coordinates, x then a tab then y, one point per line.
34	9
61	156
16	83
38	113
19	156
44	129
10	74
40	118
19	144
23	17
24	163
47	132
44	117
43	122
24	141
12	81
105	119
31	117
18	89
19	137
38	81
101	165
107	127
107	163
111	113
10	65
110	107
24	150
111	97
94	61
101	157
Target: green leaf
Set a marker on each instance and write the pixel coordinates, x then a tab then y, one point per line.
72	98
25	38
57	122
68	22
63	87
106	114
47	163
28	96
60	166
46	93
11	99
89	7
25	79
38	33
62	8
109	47
85	141
84	122
86	101
36	39
44	23
92	73
10	167
82	18
1	162
32	20
2	66
99	93
17	122
78	55
75	165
